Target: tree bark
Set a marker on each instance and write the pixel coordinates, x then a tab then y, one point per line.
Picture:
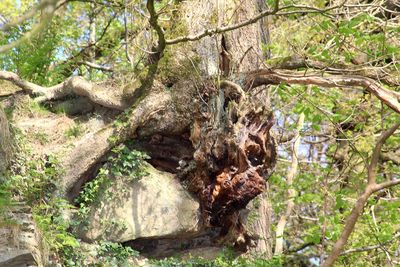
6	146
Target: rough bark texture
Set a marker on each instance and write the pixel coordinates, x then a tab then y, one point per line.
234	155
5	143
226	185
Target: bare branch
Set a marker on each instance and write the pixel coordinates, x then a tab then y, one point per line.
387	184
96	66
376	153
377	73
291	192
300	247
263	77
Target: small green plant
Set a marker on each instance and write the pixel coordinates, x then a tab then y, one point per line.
128	163
226	258
112	225
6	203
115	254
35	107
74	131
53	225
43	138
125	163
34	178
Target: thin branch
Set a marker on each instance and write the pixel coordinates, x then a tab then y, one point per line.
96	66
291	192
127	54
368	248
274	11
300	247
376	153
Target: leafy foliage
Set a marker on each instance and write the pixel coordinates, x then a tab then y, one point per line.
125	163
115	254
224	259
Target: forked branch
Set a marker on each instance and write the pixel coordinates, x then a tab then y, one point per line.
371	188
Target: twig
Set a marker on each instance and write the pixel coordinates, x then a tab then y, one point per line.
368	248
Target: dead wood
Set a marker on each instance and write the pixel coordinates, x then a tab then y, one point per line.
235	154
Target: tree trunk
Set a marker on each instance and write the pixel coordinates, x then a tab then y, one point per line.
6	148
228	54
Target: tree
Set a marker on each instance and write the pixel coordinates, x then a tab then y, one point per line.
196	72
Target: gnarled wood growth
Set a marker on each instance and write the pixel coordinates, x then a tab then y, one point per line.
235	154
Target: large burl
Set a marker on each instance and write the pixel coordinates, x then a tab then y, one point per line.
235	154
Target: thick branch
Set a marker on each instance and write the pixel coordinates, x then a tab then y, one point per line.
155	56
263	77
376	73
387	184
154	23
72	86
28	87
